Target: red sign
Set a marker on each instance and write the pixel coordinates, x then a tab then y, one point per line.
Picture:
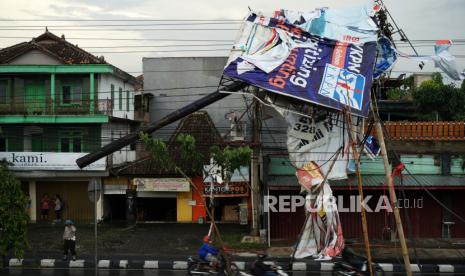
233	189
309	175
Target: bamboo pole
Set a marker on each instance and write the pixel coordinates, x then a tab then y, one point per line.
212	219
353	139
392	192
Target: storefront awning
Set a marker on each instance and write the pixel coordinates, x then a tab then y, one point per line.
377	182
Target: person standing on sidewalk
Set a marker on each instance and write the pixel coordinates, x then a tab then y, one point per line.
44	207
69	240
58	207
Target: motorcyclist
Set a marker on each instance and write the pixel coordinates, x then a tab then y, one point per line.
207	252
259	268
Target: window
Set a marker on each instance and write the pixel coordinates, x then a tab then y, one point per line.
112	89
3	91
71	142
127	100
3	143
71	94
120	98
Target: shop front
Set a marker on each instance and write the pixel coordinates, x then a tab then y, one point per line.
163	199
228	202
46	175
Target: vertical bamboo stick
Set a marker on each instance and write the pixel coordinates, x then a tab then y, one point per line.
353	139
392	192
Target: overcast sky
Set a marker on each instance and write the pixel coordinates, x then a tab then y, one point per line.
420	19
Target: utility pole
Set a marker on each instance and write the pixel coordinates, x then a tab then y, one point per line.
168	119
392	192
255	175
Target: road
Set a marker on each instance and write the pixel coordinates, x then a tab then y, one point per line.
128	272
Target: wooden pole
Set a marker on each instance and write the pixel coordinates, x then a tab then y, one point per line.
212	219
392	192
353	139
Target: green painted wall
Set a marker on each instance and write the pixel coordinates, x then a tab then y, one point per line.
422	164
22	103
49	140
14	136
90	135
52	119
280	166
73	69
426	164
78	81
457	165
371	167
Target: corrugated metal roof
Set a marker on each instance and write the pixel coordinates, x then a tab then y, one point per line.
377	181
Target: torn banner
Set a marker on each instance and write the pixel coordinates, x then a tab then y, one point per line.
442	59
312	144
386	57
281	58
322	236
353	25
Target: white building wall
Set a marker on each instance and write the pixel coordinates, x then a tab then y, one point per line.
35	57
104	95
194	78
112	132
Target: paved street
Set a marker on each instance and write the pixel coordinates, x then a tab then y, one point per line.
172	241
88	272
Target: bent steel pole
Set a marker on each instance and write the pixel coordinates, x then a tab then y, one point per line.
168	119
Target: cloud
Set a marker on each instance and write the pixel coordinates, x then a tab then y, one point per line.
425	19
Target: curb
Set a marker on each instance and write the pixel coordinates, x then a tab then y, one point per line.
182	265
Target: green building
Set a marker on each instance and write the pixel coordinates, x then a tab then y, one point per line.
57	103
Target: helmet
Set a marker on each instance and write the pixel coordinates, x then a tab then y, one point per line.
68	222
206	238
262	256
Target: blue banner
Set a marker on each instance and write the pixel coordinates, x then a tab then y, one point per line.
321	71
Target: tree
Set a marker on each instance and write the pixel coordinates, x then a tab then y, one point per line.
13	214
228	159
434	99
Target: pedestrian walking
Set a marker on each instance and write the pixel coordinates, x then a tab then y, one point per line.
69	240
44	207
58	207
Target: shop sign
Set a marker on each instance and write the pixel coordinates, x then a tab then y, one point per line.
212	173
162	184
233	189
52	161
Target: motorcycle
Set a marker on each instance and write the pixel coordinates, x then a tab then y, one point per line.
259	267
355	265
196	266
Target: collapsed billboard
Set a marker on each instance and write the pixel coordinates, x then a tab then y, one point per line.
282	58
325	58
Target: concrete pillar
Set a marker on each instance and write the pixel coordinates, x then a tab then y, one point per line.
33	196
91	96
100	206
52	92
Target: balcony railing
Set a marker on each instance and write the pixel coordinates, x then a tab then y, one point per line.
45	108
426	131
